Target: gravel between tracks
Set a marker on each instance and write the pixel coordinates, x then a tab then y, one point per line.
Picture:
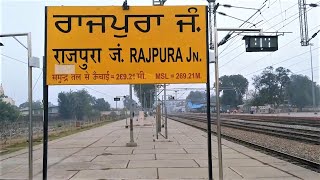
304	150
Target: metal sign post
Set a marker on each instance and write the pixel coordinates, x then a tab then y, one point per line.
217	85
217	81
162	112
116	99
119	60
165	112
208	108
131	143
45	121
217	97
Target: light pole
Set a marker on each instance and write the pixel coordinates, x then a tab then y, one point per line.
32	62
313	5
312	83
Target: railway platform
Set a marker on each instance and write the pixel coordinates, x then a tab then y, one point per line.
101	153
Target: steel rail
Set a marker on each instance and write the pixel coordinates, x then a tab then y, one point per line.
312	165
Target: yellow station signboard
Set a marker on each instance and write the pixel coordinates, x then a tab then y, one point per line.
142	45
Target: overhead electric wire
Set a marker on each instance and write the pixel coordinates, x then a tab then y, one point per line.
37	80
301	60
306	70
282	61
97	91
14	59
279	48
264	11
294	57
250	27
233	38
272	3
291	17
245	21
281	10
225	39
267	21
269	53
228	36
240	7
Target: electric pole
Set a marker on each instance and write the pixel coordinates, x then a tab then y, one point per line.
303	23
305	41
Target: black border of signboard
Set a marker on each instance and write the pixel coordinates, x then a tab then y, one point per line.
46	93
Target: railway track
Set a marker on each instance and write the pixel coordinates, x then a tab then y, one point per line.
315	166
294	133
285	120
301	121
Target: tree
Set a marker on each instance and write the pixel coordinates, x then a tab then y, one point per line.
271	85
234	88
257	100
147	90
283	81
83	102
35	105
65	105
299	91
75	104
196	97
101	105
8	112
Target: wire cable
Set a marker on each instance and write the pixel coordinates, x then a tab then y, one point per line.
245	21
269	53
14	59
240	7
266	20
282	61
97	91
37	80
306	70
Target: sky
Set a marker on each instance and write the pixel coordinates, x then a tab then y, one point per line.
20	16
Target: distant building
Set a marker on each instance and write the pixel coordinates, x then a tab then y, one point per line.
200	107
1	90
5	98
53	111
176	105
267	109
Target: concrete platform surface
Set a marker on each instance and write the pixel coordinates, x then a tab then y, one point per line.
101	153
